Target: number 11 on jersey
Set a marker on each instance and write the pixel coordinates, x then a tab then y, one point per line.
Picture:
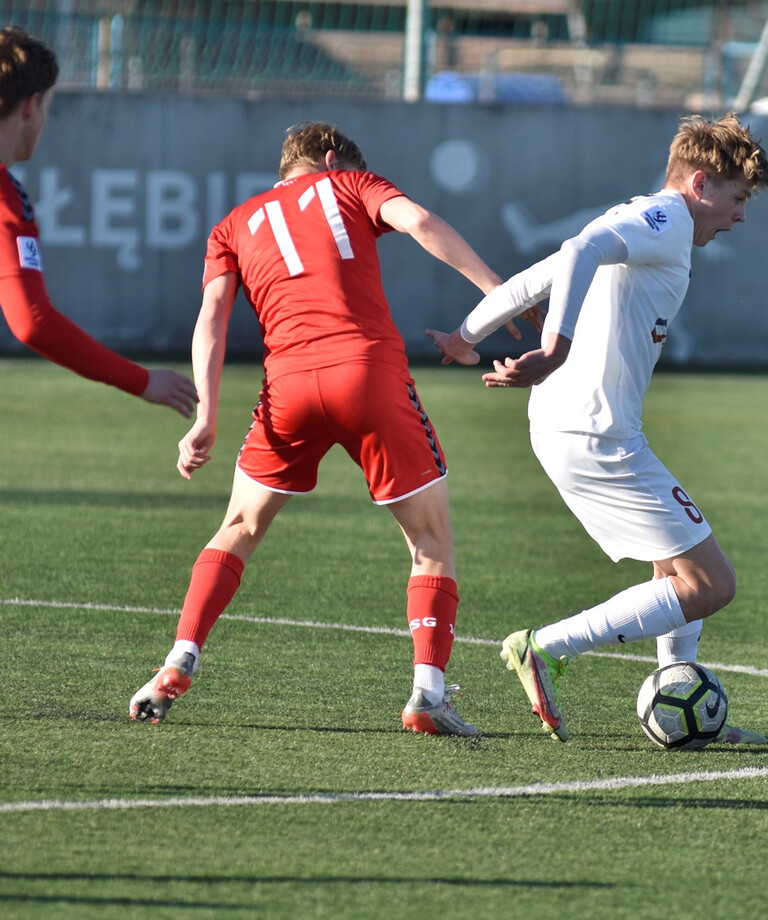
272	213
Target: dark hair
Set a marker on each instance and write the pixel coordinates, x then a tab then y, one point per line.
27	66
308	142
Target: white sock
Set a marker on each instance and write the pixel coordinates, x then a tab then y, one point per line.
641	612
681	644
431	680
180	647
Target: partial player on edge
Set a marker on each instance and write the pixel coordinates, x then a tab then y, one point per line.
28	72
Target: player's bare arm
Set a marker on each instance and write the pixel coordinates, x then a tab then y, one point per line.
208	350
439	239
532	367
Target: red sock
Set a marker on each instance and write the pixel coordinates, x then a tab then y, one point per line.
215	579
432	604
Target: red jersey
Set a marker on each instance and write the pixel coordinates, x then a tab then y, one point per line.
28	310
305	254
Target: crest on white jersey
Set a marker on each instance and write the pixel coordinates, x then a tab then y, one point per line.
657	220
29	253
659	332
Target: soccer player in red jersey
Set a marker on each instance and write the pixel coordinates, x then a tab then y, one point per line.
336	373
28	71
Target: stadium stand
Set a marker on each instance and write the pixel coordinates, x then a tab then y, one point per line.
628	52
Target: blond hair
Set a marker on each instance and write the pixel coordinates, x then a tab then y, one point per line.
722	149
308	142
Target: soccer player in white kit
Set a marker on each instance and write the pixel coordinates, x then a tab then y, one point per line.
613	290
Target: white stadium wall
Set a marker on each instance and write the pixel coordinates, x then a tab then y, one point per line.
126	187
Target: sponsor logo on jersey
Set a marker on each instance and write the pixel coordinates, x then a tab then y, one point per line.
29	253
659	332
657	220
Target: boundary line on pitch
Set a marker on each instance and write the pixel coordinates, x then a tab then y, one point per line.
616	784
347	627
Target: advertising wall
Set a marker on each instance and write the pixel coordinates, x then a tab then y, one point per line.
127	186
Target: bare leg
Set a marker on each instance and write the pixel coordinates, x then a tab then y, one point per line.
433	600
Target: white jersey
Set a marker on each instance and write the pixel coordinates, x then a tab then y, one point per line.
622	324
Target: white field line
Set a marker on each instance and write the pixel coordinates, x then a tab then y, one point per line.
616	784
348	627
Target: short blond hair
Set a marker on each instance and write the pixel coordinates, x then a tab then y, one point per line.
722	149
308	142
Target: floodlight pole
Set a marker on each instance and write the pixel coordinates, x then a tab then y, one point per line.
415	50
754	72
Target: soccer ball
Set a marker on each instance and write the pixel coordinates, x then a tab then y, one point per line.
682	705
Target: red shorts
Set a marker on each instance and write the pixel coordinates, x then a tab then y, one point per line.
371	410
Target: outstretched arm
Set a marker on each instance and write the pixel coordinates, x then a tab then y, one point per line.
579	260
209	344
519	296
439	239
37	324
564	277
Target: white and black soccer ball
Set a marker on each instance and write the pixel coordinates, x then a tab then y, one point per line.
682	705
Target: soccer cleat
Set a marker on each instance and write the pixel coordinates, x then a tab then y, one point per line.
539	673
152	701
440	718
732	735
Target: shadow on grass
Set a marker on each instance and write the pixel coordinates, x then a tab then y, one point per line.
668	802
95	498
320	504
67	714
117	902
420	881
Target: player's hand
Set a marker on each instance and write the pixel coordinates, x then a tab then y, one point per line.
167	388
453	347
532	367
195	448
533	315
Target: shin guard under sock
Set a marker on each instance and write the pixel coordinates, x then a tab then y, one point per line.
432	604
215	578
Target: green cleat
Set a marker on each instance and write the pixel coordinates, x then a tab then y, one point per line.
539	673
732	735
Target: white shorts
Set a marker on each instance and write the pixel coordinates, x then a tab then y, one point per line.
623	495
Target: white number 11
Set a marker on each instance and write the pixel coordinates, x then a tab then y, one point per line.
272	212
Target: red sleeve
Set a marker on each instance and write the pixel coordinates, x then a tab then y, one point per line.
34	321
220	257
374	191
